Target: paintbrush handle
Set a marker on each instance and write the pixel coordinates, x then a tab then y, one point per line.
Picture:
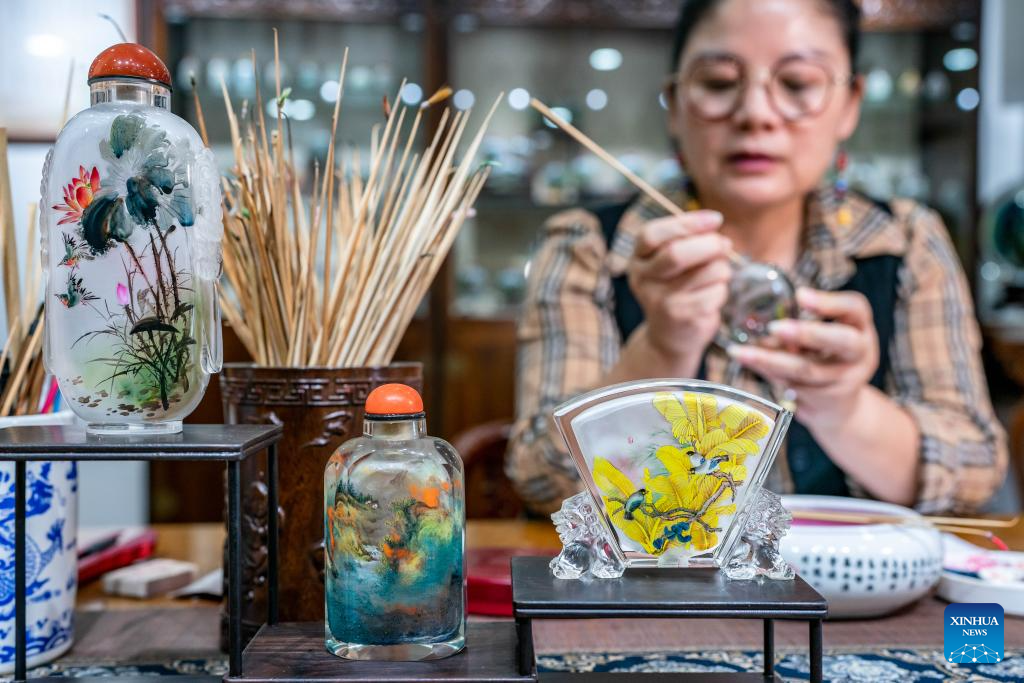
578	135
967	527
865	518
975	521
968	531
641	184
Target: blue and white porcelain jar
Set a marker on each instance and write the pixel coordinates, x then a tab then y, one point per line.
51	553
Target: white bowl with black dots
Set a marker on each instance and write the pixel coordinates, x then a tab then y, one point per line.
863	570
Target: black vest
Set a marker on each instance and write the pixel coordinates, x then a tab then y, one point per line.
875	277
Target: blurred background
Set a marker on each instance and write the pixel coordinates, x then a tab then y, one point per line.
943	123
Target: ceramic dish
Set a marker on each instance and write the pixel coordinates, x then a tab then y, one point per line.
863	570
973	574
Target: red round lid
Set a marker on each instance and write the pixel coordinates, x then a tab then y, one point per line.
393	400
130	60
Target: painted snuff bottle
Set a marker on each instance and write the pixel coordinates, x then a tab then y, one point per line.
394	530
130	226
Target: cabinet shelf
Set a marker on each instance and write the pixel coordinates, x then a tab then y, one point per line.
295	652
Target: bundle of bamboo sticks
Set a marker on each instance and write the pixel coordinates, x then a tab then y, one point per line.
337	283
21	358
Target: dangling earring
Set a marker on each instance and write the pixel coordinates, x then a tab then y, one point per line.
690	192
843	214
689	189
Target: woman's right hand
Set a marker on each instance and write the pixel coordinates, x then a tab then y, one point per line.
679	273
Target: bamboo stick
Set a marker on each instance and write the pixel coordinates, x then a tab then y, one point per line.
17	376
601	153
329	178
67	97
12	334
11	281
199	111
32	268
870	518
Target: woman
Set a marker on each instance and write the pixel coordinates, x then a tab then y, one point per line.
891	400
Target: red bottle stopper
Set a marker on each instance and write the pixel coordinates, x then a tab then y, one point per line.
129	60
394	400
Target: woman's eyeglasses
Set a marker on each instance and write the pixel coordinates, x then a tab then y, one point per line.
713	88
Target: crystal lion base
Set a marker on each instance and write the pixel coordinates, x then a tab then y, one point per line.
588	550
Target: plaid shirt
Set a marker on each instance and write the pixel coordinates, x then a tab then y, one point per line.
568	340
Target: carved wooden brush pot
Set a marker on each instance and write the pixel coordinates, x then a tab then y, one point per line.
320	409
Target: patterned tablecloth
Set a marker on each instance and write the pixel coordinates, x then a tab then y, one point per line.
883	665
902	648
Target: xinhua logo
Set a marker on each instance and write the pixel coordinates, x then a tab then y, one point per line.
973	633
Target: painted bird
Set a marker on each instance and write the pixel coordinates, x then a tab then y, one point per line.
633	503
695	456
677	532
699	463
71	251
76	293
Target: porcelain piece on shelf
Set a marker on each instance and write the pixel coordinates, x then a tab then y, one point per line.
864	570
51	553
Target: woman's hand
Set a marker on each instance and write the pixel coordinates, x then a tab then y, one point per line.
828	364
679	274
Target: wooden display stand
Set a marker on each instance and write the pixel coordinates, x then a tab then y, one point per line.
499	652
230	444
295	652
663	592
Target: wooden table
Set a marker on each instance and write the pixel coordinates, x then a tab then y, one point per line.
115	625
204	545
127	629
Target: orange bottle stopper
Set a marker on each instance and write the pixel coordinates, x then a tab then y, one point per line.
129	60
394	400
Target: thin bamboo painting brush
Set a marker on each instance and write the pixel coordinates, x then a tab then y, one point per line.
968	526
870	518
603	154
971	531
11	279
335	280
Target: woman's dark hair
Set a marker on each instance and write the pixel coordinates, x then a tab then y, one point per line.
845	12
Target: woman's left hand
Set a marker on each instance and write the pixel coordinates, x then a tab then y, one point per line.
828	362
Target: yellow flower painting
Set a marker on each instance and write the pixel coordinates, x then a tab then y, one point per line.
695	480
